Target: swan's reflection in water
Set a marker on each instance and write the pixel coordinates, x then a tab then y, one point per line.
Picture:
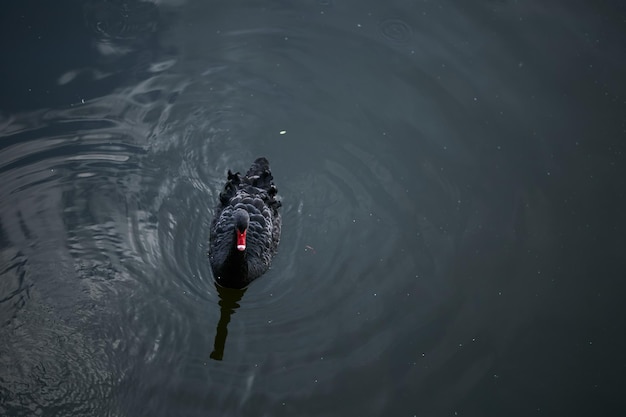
229	302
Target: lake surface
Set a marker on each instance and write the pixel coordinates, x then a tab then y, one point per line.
453	208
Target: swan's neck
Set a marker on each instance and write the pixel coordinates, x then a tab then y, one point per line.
234	270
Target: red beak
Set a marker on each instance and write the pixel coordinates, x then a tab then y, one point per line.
241	240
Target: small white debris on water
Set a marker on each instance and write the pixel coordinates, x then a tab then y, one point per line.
282	132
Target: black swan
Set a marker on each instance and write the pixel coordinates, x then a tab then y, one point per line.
246	228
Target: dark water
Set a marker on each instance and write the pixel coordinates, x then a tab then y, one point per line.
453	218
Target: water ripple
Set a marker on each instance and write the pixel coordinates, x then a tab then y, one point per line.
14	286
395	30
121	21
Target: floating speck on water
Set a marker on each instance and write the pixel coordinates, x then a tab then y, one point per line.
282	132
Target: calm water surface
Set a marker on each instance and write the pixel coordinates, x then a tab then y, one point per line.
453	208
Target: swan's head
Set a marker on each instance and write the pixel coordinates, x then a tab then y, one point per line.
242	219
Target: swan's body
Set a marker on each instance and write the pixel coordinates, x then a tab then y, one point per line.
246	228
